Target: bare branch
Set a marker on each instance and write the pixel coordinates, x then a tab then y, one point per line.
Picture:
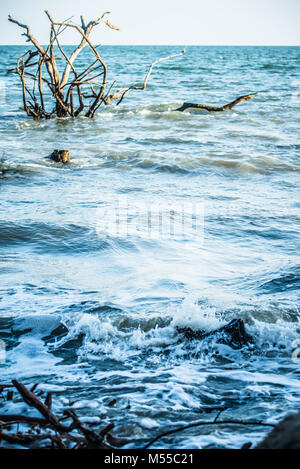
37	45
213	108
111	26
143	87
85	32
82	23
205	423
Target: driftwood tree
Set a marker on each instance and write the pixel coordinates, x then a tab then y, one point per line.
52	86
70	91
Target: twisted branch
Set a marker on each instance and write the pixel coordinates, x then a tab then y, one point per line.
144	86
226	107
205	423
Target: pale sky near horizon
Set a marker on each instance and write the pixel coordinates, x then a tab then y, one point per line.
189	22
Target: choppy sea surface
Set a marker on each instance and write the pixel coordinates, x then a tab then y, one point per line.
91	312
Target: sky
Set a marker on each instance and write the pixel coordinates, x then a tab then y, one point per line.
180	22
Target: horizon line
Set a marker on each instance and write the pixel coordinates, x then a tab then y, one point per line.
175	45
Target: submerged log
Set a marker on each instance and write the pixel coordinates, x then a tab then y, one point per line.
233	334
61	156
226	107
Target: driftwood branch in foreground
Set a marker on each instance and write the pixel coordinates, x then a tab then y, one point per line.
226	107
49	426
48	431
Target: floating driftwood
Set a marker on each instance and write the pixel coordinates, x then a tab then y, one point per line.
226	107
61	156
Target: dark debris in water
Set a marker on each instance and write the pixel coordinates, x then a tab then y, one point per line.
68	432
50	431
233	334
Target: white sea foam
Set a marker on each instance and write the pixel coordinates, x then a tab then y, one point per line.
197	317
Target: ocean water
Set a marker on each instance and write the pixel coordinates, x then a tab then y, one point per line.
89	309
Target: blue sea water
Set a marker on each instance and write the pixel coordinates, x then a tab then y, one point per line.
90	311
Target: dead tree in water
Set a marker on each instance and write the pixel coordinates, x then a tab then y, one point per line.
73	92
